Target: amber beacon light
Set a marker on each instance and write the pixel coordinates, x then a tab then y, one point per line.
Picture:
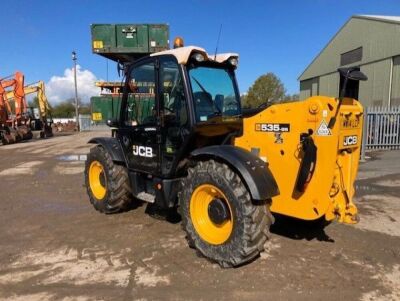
178	42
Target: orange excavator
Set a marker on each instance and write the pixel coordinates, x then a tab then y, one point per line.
14	120
40	117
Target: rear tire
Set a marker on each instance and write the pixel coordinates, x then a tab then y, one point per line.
242	234
107	183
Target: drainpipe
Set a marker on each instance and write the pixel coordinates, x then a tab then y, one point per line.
390	81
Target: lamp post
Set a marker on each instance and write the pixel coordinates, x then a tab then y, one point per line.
74	58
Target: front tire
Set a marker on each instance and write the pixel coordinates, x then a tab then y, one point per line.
219	217
107	183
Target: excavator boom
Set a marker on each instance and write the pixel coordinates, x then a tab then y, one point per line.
16	121
39	89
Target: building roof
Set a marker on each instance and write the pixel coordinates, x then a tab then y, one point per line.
391	19
386	19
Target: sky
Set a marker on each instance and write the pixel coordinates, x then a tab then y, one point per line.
282	37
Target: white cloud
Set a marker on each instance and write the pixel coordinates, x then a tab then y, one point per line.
60	88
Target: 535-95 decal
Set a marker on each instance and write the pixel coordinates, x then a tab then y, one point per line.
272	127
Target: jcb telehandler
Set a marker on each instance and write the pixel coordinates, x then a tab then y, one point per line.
180	141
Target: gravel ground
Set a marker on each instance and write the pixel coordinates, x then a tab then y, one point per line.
55	246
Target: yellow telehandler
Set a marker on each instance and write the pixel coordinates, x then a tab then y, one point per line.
181	140
315	166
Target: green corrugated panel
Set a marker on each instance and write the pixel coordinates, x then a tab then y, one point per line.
375	91
380	40
366	87
309	88
127	42
329	85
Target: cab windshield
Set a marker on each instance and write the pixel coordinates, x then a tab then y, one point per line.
213	92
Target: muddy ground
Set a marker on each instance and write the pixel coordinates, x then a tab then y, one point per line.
55	246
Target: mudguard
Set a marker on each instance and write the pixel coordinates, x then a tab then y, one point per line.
253	170
112	146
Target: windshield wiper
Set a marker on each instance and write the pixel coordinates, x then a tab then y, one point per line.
205	91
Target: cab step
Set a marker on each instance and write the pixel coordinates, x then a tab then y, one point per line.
146	197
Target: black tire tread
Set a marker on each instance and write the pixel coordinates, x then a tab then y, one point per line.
119	195
256	218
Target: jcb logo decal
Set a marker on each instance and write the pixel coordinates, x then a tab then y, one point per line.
142	151
350	140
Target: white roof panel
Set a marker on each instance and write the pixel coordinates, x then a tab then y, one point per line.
383	18
182	54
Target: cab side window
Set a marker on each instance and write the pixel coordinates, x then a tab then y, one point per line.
173	102
141	106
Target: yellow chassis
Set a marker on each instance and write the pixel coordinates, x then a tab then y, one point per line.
330	191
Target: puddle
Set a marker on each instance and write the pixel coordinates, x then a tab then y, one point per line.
72	158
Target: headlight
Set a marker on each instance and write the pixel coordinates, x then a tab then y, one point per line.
233	61
198	57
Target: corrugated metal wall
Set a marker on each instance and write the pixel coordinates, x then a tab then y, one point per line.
309	88
375	91
380	42
329	85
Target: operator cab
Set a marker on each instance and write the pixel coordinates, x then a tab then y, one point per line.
176	101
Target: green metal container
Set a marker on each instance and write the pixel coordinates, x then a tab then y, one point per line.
104	108
108	107
127	42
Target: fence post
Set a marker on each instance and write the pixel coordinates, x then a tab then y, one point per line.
84	123
364	135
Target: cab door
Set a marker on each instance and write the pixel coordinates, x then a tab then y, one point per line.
174	115
139	132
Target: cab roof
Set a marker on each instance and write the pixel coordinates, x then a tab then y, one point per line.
182	54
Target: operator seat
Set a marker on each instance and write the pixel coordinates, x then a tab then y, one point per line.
204	105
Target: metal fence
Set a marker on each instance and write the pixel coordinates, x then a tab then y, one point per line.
381	128
86	124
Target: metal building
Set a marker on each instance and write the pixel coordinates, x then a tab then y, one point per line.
371	43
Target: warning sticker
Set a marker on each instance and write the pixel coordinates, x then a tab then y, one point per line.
97	116
323	129
97	44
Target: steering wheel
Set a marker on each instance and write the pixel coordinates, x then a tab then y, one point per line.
169	109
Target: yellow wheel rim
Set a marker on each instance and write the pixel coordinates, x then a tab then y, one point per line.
209	231
97	180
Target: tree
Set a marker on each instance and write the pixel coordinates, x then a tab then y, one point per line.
84	109
34	103
268	88
291	97
64	109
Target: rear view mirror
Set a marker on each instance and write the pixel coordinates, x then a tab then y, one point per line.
357	75
112	122
353	73
347	74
